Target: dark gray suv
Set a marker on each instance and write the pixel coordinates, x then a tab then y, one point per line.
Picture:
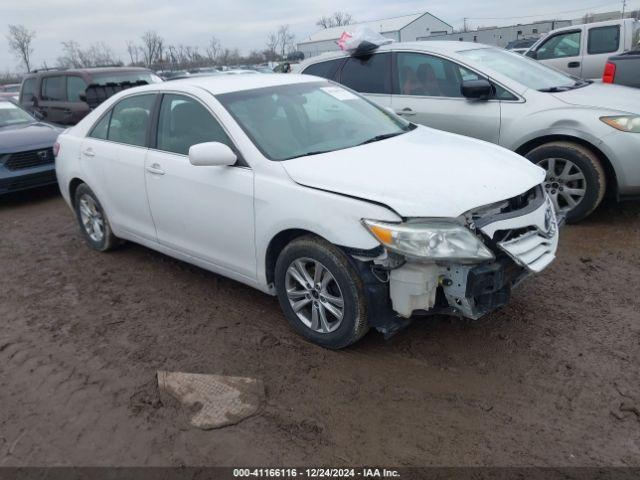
58	96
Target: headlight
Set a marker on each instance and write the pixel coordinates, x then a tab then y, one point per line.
624	123
437	240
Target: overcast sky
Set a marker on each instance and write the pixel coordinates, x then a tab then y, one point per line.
243	23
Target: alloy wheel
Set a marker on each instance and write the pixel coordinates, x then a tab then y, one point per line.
565	183
314	295
92	219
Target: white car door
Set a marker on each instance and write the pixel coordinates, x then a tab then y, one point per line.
205	212
563	51
428	92
113	157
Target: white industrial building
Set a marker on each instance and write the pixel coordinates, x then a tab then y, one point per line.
407	28
501	36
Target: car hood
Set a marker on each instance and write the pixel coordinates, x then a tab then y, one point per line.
423	173
29	136
603	96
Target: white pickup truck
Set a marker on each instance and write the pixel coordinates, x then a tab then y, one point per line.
583	50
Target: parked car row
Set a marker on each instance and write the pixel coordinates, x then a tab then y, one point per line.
329	190
584	134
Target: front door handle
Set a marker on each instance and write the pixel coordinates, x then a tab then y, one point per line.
88	152
406	112
156	169
573	64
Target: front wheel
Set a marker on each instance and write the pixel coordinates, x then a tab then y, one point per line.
575	179
320	293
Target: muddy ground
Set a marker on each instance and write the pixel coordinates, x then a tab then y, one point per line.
552	379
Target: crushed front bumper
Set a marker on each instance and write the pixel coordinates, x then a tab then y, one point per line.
524	241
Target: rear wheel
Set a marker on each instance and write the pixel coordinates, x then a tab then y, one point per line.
320	293
94	223
575	179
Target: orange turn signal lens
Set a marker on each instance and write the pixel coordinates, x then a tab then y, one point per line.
383	234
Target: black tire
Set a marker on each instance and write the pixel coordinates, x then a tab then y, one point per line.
591	167
353	325
108	240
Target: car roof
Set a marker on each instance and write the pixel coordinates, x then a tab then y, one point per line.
219	84
95	70
429	46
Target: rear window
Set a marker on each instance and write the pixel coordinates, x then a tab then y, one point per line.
54	88
75	87
324	69
604	40
133	77
371	74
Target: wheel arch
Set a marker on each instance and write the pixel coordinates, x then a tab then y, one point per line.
610	173
278	243
73	186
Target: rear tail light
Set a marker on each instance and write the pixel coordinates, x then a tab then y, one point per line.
609	75
56	149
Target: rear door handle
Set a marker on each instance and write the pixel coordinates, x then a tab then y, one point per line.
406	112
573	64
156	169
89	153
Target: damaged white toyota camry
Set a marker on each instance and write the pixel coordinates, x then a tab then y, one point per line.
352	216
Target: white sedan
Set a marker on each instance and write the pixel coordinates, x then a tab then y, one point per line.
351	215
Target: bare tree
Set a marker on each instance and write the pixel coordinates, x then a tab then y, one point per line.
20	39
97	54
152	48
134	52
213	49
336	19
285	39
273	40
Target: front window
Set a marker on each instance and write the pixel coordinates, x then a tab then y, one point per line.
563	45
427	75
290	121
184	122
28	90
133	77
521	69
11	114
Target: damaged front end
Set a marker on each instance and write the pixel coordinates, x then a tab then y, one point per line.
465	266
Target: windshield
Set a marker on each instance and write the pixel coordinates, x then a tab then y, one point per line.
11	114
521	69
290	121
103	79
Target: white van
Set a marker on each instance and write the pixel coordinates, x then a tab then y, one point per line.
583	50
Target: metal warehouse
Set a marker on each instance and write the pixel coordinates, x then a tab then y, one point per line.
501	36
406	28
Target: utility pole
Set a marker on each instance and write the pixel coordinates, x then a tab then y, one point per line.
624	7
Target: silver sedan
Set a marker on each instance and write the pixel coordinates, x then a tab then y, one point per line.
586	135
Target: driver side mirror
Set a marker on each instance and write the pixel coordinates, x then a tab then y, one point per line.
211	154
82	96
532	54
477	89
